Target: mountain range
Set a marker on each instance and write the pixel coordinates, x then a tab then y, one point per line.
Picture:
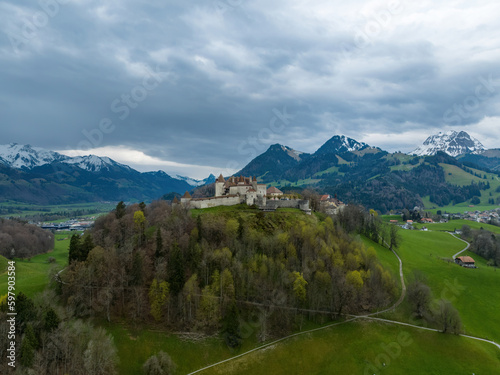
452	142
34	175
355	171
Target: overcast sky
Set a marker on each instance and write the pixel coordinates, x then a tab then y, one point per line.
194	87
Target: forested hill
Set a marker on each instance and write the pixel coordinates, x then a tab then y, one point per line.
203	270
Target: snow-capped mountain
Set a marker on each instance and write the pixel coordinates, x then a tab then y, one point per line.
292	153
94	163
27	157
339	144
452	142
194	182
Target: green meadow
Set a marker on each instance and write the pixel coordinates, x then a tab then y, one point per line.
32	275
453	225
22	210
474	292
357	347
363	347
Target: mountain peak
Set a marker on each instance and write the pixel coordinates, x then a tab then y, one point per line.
340	144
27	157
451	142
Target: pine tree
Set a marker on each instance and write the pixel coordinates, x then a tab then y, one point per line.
231	327
86	247
28	347
74	248
159	244
176	270
120	210
51	320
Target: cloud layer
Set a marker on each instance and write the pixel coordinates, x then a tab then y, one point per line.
214	83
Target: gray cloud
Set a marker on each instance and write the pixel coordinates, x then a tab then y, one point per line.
227	67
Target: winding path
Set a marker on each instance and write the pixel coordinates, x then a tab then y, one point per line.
461	251
356	317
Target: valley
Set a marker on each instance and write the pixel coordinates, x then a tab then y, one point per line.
321	345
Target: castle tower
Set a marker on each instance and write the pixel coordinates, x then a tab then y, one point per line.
254	183
219	186
186	198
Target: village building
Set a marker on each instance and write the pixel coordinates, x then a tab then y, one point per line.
274	192
330	204
466	261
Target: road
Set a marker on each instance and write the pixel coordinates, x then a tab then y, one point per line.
461	251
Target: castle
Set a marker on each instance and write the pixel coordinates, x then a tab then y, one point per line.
234	190
238	190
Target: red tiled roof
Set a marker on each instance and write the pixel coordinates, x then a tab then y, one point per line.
466	259
221	178
186	195
324	197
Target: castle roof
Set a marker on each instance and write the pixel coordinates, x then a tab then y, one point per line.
186	195
274	190
221	178
175	200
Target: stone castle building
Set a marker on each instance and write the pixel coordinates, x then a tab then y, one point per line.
238	190
234	190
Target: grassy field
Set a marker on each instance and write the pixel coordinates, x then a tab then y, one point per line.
451	225
32	275
474	292
362	348
459	208
457	176
386	258
354	347
22	210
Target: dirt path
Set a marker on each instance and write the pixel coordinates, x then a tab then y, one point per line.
461	251
356	317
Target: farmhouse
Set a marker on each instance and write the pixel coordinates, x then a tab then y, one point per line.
465	261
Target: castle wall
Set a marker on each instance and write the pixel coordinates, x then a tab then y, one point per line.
214	202
291	203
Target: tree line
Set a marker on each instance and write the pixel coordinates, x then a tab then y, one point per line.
484	243
21	240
